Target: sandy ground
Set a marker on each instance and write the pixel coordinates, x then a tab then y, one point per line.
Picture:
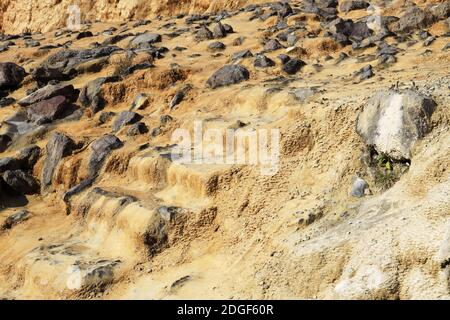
242	234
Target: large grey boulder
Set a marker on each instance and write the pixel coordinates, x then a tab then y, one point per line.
392	121
228	75
11	75
101	148
58	146
50	91
21	182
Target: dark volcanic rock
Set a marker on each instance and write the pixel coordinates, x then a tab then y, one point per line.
366	72
227	75
203	34
145	40
227	28
345	30
58	146
115	39
66	59
413	18
50	91
91	95
105	116
7	101
137	129
15	219
241	55
125	118
293	66
5	141
84	34
28	157
440	11
219	31
177	98
283	58
21	181
349	5
141	102
30	43
44	75
272	45
262	61
11	75
136	67
429	41
216	46
325	3
101	148
9	163
238	41
47	110
284	10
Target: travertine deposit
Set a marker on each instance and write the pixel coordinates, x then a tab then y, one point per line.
93	204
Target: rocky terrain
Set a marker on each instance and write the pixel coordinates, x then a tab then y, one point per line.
93	206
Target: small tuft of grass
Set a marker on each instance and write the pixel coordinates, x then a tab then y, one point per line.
388	171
